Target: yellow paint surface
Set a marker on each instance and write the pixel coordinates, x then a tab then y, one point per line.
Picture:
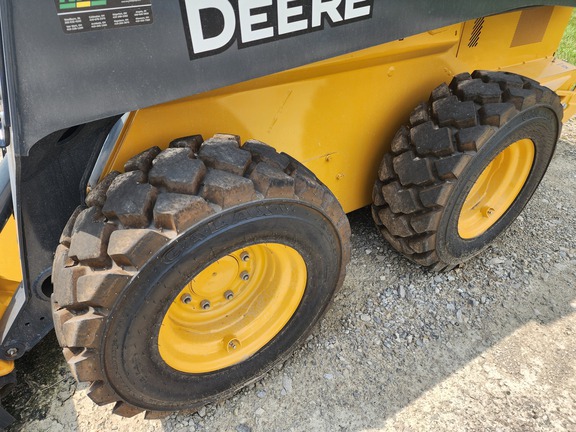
339	116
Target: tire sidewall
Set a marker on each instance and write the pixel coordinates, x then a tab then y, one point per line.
130	355
540	125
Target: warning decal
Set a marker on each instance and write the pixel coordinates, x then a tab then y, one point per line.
86	15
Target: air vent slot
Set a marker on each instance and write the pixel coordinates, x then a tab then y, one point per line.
476	32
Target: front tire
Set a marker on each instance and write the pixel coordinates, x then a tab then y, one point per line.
194	272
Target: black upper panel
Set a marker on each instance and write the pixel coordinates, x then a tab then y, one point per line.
60	75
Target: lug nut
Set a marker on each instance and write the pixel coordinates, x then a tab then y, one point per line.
233	344
488	211
245	256
228	295
205	304
186	299
244	276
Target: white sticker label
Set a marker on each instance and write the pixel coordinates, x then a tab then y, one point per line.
213	26
86	15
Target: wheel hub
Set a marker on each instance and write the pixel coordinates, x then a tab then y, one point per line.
232	308
496	189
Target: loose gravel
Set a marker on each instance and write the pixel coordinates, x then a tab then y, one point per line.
488	346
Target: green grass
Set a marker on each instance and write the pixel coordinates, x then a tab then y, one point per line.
567	49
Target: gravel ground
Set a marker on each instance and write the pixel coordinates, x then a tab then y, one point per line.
488	346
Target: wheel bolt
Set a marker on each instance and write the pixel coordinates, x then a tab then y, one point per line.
228	295
205	304
488	211
244	276
244	256
12	352
233	344
186	299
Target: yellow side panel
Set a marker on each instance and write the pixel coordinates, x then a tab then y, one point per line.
514	38
10	276
523	42
569	101
10	269
339	116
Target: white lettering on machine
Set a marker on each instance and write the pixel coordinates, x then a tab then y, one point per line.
216	24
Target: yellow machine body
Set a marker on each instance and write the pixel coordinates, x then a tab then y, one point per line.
10	276
338	116
10	270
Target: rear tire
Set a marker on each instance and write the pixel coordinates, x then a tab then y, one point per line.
127	263
466	165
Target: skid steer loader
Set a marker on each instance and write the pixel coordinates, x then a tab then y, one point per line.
178	263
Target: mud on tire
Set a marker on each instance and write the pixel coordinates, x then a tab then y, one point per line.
436	159
143	234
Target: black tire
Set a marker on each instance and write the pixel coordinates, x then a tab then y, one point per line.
144	234
436	159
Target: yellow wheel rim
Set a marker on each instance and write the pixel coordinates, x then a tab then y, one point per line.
233	308
496	189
